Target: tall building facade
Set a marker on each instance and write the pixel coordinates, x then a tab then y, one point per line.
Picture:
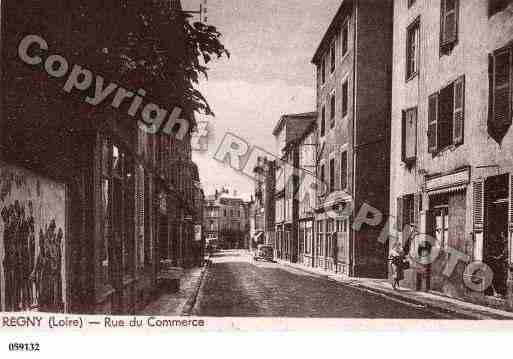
451	172
287	132
354	67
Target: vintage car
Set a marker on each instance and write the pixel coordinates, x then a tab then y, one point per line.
264	252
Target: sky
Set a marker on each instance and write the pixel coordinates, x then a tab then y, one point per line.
269	73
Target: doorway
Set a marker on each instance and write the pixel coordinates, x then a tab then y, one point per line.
495	251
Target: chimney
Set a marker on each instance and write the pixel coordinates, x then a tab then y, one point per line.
234	193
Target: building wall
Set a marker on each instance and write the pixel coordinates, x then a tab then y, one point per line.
363	132
478	36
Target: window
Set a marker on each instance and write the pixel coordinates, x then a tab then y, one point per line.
345	99
446	112
343	171
323	71
345	38
449	24
412	49
319	248
410	3
332	175
409	136
332	110
496	6
499	120
323	178
323	121
333	56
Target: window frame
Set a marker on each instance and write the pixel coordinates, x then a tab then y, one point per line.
323	120
447	44
333	108
333	55
412	159
454	141
344	173
333	175
344	38
345	97
412	73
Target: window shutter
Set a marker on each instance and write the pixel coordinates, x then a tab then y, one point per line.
400	210
500	120
433	123
403	136
416	210
459	110
449	21
478	205
511	202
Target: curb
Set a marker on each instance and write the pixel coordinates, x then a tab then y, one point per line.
425	305
191	302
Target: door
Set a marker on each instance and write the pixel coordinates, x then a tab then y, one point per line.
441	215
496	247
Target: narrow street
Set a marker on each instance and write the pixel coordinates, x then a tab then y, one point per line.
237	286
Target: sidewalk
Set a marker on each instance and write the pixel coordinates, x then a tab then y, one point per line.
425	300
181	302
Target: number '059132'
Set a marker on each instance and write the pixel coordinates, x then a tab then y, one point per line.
24	347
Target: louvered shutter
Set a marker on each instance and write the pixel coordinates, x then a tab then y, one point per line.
403	136
449	21
478	205
400	214
501	94
511	202
416	210
459	111
433	123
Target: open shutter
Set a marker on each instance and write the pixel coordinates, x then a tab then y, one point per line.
449	21
399	218
403	136
478	205
433	123
500	120
459	110
511	202
416	211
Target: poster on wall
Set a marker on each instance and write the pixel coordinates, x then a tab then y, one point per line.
32	242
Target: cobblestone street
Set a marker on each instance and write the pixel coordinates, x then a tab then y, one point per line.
237	286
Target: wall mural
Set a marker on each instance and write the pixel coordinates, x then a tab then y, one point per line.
32	242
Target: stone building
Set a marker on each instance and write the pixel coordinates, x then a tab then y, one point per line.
354	66
451	169
287	131
264	175
306	192
226	220
85	183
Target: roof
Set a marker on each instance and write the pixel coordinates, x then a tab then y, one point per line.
284	118
334	25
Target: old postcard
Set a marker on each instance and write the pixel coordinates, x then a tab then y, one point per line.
203	165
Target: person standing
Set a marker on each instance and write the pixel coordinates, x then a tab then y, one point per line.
397	264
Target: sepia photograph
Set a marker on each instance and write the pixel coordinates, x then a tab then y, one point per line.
255	165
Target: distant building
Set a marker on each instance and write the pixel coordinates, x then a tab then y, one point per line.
287	132
226	220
